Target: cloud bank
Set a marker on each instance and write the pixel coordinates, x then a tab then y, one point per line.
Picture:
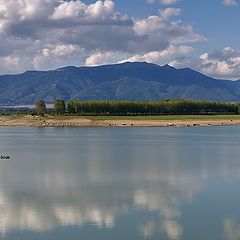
45	34
224	63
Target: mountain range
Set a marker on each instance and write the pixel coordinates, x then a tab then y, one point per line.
126	81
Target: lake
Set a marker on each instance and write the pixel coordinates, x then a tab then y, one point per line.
123	183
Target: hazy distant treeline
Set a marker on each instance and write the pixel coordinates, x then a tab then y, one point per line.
162	107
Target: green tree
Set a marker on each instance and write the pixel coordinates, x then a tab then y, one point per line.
40	108
162	107
59	107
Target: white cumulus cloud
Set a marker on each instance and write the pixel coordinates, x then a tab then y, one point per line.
46	34
157	56
229	2
80	11
224	63
166	2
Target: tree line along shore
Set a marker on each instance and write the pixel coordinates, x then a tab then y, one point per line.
139	108
164	113
131	108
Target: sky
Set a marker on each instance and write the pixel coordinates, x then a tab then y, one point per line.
48	34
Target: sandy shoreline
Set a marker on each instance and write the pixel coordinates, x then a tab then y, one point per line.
84	122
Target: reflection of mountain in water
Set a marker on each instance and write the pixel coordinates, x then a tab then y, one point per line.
96	176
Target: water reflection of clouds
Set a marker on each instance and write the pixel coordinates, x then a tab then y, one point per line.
168	209
68	216
30	216
64	195
231	229
171	228
66	198
99	182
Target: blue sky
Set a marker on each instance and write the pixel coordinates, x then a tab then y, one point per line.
47	34
212	19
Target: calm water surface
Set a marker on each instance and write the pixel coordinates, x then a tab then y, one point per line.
115	184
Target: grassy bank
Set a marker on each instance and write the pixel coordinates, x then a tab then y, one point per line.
135	118
161	118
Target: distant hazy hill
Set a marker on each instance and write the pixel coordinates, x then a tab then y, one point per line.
131	81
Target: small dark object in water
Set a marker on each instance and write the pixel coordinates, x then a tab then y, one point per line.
4	157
